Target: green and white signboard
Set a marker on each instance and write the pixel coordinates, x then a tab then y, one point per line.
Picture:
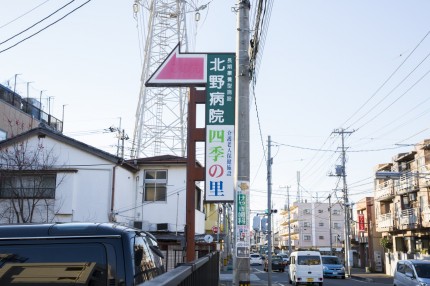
220	120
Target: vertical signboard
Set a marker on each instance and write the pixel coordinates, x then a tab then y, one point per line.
220	120
242	215
361	222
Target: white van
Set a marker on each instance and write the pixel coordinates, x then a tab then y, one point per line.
305	267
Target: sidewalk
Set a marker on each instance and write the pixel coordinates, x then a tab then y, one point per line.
226	277
360	274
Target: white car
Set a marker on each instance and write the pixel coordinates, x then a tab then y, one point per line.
255	259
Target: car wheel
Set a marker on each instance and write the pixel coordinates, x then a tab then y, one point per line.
320	284
343	277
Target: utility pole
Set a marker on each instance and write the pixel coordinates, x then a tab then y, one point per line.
241	267
289	221
330	225
269	213
342	132
298	187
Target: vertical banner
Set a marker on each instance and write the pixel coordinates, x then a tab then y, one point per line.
361	222
220	120
243	239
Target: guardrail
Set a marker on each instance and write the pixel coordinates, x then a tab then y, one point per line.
203	271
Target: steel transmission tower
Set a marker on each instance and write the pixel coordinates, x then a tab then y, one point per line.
160	125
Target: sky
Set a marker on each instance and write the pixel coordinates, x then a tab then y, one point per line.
326	65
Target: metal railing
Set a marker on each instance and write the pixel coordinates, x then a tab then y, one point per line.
26	105
203	271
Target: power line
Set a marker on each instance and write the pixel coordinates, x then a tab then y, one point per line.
38	22
384	83
19	17
46	27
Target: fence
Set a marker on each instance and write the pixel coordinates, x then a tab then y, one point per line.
203	271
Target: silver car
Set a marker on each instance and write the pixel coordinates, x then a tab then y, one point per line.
255	259
412	273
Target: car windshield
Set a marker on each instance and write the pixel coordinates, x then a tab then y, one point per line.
423	270
255	256
330	260
309	260
276	258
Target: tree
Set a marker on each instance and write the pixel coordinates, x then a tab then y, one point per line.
29	177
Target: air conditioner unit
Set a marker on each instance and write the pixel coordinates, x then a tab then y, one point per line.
162	226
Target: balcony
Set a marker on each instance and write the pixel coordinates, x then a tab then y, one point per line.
385	191
384	222
408	182
284	231
408	219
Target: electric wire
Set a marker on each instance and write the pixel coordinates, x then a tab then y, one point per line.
38	22
399	97
46	27
19	17
384	83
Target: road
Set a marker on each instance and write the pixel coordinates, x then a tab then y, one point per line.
281	279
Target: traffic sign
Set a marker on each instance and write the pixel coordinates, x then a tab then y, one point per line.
215	229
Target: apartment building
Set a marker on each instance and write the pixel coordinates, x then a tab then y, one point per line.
402	204
19	114
311	225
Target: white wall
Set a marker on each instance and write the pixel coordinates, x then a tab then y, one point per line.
85	190
173	210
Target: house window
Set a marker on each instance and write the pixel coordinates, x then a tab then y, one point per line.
155	185
307	211
41	186
321	223
320	211
321	237
306	224
336	225
336	212
307	237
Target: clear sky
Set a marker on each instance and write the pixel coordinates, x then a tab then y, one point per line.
326	64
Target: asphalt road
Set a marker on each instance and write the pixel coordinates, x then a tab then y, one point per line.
260	277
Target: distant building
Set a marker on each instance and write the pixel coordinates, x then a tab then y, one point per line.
19	114
310	225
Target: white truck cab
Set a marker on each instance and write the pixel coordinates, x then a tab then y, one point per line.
305	267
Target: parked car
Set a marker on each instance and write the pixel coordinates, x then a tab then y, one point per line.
412	273
255	259
332	267
82	253
277	263
284	257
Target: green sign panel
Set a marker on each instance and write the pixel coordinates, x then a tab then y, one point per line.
220	89
242	218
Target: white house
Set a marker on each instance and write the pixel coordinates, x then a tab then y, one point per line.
67	180
161	195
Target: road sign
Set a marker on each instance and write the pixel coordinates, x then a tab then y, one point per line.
208	238
215	229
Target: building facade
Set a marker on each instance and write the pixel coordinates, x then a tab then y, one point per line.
311	225
370	251
402	206
20	114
